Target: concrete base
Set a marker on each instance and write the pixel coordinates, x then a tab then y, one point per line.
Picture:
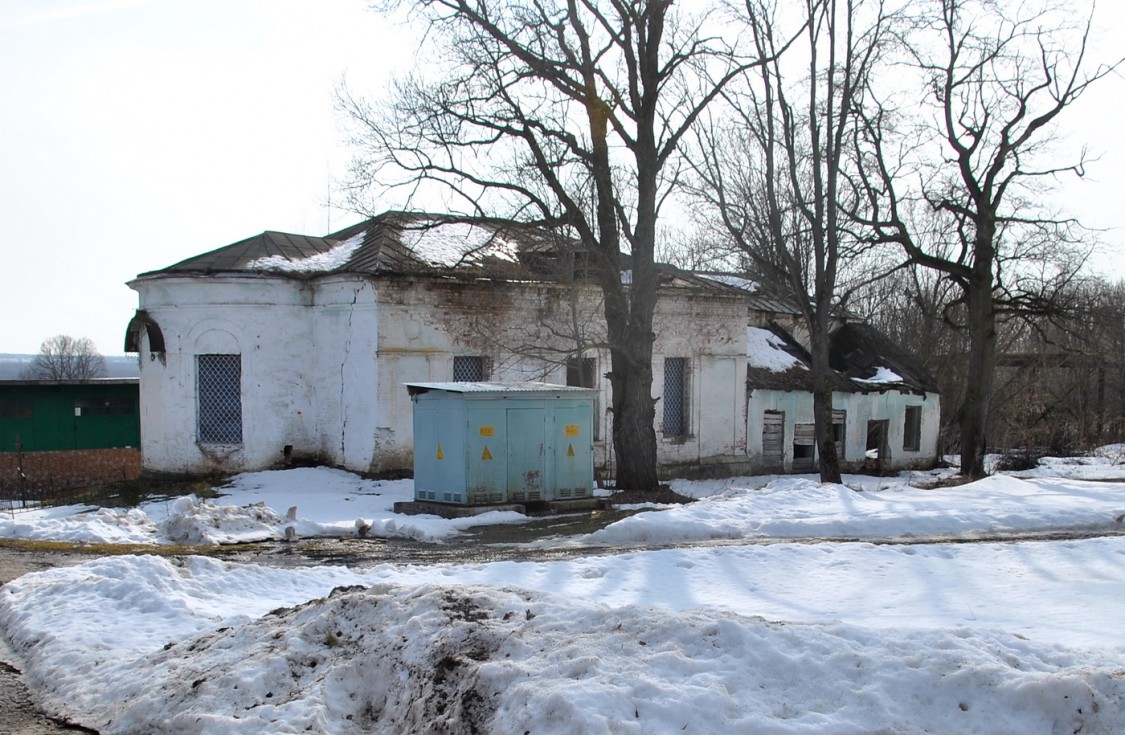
547	507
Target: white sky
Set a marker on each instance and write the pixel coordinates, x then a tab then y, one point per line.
137	133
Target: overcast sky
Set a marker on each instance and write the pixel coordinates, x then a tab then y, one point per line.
137	133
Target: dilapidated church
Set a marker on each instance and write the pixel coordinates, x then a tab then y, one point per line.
283	348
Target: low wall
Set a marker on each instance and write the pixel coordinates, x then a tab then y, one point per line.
65	470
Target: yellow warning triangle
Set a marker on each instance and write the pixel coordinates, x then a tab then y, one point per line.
440	454
570	450
486	454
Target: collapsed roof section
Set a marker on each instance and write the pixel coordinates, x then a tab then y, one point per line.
862	360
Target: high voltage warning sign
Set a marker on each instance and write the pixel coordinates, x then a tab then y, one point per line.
485	455
440	455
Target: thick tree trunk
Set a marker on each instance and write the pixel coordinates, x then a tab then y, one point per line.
981	372
828	460
634	413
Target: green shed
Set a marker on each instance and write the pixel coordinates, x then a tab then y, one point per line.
51	415
494	443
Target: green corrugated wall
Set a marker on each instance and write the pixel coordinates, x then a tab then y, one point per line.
46	417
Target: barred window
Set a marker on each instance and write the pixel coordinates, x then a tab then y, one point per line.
912	429
675	396
219	386
469	369
580	372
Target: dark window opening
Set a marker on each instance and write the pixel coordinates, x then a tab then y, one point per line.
580	372
912	429
111	406
804	447
219	408
840	431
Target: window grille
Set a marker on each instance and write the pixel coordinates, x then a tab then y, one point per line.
912	429
469	369
675	396
580	372
219	385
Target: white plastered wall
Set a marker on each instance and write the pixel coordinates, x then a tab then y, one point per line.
301	362
860	408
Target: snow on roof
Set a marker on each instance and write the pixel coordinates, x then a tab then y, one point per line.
321	262
728	279
766	350
453	243
883	375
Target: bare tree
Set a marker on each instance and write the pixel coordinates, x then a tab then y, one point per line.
779	180
569	115
997	77
66	358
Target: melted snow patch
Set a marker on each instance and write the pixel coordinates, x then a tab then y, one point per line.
454	243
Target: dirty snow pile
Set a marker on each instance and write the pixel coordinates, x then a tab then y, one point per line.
256	506
913	636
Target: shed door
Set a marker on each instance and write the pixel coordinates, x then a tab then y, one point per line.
773	438
526	439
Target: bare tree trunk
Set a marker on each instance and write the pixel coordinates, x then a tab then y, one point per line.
981	374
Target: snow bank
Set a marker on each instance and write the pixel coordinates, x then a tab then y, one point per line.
434	658
802	508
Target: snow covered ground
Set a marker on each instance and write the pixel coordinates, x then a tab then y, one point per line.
754	624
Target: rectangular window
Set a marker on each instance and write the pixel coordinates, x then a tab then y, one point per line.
912	429
112	406
840	431
219	395
15	408
675	396
470	369
580	372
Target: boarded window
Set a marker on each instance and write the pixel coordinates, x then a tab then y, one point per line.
840	431
470	369
912	429
804	447
219	409
773	438
675	396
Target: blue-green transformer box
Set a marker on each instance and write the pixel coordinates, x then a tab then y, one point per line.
496	443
